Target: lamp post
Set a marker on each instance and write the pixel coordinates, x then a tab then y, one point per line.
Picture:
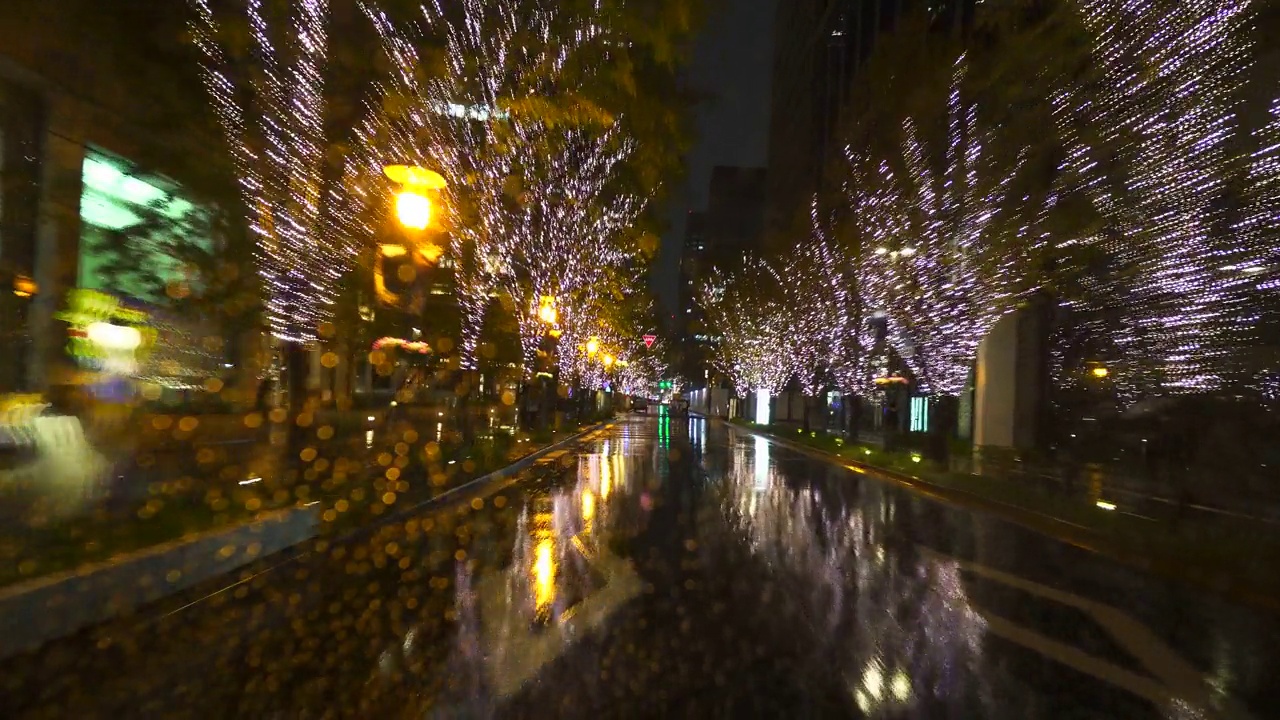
407	247
414	211
414	208
548	314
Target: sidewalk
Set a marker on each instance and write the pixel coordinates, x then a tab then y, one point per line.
84	589
66	510
1230	555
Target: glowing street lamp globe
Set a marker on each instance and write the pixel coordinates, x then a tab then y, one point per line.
413	209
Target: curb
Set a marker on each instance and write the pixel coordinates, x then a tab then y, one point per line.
1055	528
95	593
471	485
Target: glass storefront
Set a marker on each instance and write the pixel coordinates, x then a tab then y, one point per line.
128	223
133	229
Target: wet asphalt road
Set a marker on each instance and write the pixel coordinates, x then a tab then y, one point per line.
673	568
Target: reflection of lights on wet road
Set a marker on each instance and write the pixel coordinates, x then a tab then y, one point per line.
368	438
699	427
588	505
606	476
544	577
762	463
872	687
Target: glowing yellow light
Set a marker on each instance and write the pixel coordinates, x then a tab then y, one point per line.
1101	372
547	310
900	686
24	287
392	250
413	209
414	176
1105	505
606	477
607	360
430	252
544	576
588	505
114	337
915	458
593	346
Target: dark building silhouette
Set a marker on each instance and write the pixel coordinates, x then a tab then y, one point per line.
819	48
735	213
689	317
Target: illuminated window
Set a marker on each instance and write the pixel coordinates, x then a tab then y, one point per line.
919	414
114	200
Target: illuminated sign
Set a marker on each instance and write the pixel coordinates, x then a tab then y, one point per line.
406	345
891	380
919	414
102	335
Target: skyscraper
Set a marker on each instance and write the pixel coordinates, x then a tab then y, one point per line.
819	48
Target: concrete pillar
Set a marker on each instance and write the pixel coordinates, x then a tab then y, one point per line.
57	252
1009	385
995	395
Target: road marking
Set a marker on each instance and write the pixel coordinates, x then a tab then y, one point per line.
1178	679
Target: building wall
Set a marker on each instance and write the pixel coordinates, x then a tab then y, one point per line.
69	77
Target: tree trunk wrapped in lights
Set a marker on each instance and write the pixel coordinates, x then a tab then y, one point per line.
271	107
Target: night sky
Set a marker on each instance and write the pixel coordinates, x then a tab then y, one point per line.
731	70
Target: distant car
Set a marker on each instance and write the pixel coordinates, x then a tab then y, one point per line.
640	405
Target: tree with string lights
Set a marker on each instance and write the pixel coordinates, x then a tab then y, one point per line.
545	185
306	218
455	118
843	340
932	215
1165	111
748	311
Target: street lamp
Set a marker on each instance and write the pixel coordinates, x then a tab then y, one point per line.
593	346
413	209
413	205
607	360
